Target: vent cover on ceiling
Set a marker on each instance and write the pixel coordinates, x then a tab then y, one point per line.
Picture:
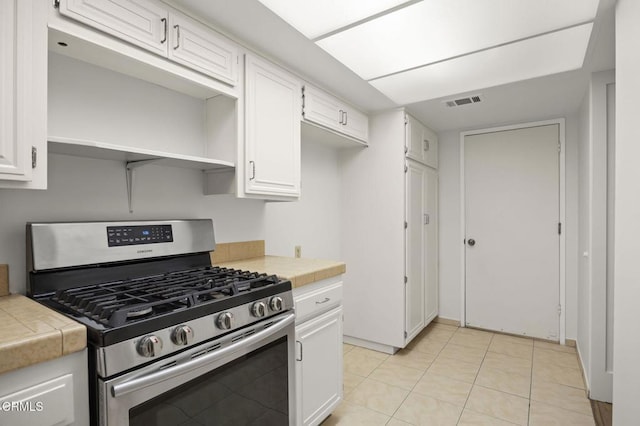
463	101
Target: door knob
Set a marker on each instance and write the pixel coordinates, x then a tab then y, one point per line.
471	242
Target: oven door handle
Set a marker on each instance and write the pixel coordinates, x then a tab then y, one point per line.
167	373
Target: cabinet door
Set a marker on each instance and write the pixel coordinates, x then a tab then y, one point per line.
322	109
430	141
431	245
356	124
272	130
140	22
415	144
23	94
198	47
12	157
328	111
319	367
415	243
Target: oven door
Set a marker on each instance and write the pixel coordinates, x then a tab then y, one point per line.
245	377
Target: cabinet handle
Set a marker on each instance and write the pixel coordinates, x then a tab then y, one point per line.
299	343
326	299
177	28
346	117
164	22
253	170
341	117
426	145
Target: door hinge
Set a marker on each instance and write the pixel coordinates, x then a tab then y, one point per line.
559	228
426	219
406	225
559	310
405	334
56	4
559	147
406	279
34	157
406	168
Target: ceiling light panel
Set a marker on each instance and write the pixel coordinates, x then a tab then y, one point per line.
315	18
535	57
435	30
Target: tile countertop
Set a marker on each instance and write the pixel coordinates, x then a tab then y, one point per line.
30	333
249	256
300	271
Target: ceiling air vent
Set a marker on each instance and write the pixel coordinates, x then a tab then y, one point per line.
463	101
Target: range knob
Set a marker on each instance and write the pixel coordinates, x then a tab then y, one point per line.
182	335
149	346
225	321
276	303
259	309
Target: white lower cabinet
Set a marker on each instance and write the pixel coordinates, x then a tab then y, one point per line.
53	393
318	352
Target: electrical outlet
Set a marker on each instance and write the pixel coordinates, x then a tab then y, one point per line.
298	251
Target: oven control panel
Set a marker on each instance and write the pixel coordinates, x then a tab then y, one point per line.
127	235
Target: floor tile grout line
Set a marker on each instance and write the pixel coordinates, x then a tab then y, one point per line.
474	379
425	372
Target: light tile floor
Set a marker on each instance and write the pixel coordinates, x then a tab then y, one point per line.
460	376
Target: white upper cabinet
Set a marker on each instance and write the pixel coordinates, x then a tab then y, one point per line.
421	143
159	29
140	22
198	47
329	112
23	94
272	131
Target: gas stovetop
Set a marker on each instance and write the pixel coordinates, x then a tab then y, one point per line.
114	304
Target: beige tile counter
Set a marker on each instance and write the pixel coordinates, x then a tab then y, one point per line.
300	271
249	256
30	333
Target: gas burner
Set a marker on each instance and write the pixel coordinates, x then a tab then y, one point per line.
137	313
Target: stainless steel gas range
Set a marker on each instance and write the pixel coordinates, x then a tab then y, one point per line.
172	339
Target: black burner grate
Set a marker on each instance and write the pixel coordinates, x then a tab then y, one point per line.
121	302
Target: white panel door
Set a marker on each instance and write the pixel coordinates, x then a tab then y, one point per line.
141	22
198	47
272	130
512	246
415	243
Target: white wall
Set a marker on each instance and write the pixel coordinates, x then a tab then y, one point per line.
592	269
584	160
626	378
451	238
313	222
89	189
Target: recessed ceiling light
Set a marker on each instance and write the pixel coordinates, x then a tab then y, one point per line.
315	18
437	30
547	54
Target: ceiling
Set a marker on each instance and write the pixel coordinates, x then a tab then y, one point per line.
527	89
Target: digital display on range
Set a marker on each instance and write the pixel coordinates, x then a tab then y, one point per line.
134	235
